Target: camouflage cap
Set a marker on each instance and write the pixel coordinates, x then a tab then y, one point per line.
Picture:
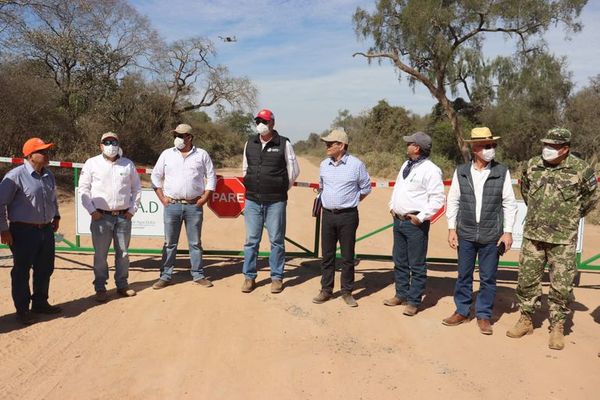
557	136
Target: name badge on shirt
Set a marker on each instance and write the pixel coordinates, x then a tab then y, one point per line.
273	149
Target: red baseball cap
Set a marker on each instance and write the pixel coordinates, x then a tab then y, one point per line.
265	114
35	144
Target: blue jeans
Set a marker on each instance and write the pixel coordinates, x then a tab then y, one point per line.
32	247
116	229
272	215
175	215
409	254
488	268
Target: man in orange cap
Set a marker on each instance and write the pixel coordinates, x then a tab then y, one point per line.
28	201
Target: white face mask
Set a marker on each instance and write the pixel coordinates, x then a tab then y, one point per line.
110	150
179	143
262	129
549	153
488	154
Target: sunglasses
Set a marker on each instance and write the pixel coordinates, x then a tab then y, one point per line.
329	144
181	135
261	121
488	146
44	152
109	142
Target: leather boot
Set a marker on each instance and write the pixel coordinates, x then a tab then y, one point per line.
523	327
557	338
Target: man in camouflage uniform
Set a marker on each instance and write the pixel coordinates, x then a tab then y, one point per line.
558	189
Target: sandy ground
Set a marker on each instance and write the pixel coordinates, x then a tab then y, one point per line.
188	342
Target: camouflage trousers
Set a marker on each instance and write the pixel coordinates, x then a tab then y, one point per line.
562	266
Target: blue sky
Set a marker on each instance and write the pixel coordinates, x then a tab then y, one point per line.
299	55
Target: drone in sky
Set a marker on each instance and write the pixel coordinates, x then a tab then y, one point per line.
228	39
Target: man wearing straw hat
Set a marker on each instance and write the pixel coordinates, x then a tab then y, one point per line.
28	201
481	212
559	189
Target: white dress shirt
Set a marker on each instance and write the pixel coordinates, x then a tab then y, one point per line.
109	185
509	203
293	169
422	191
182	178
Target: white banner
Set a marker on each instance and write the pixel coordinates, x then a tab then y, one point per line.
147	221
520	223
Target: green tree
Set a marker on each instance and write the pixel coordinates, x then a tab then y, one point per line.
439	44
583	118
531	93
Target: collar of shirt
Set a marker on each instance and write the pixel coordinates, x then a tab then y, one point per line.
188	153
488	167
31	170
342	160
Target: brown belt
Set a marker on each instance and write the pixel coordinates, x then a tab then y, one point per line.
405	217
38	226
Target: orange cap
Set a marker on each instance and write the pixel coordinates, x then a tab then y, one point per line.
35	144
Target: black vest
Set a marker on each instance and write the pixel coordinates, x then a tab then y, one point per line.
491	221
267	176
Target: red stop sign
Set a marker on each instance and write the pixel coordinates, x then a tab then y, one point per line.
228	199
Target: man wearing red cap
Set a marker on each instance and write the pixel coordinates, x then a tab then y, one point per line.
28	200
270	169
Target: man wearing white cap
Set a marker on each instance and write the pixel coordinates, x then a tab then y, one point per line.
110	191
344	182
183	179
481	213
418	194
270	169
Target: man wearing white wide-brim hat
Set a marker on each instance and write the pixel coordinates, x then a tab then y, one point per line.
481	212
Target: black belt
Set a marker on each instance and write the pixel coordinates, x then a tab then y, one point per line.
340	210
405	217
38	226
115	212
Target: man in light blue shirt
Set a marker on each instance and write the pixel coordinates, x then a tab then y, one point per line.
344	182
28	201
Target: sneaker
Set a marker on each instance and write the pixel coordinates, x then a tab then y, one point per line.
248	285
101	296
45	309
160	284
410	310
322	297
203	282
276	286
349	300
26	317
126	292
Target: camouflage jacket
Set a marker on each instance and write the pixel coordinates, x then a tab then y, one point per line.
557	197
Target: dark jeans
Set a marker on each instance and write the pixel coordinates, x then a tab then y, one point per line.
338	227
488	268
409	254
32	247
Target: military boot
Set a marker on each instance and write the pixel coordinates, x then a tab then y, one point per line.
557	338
523	327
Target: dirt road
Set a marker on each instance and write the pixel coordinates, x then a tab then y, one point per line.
189	342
